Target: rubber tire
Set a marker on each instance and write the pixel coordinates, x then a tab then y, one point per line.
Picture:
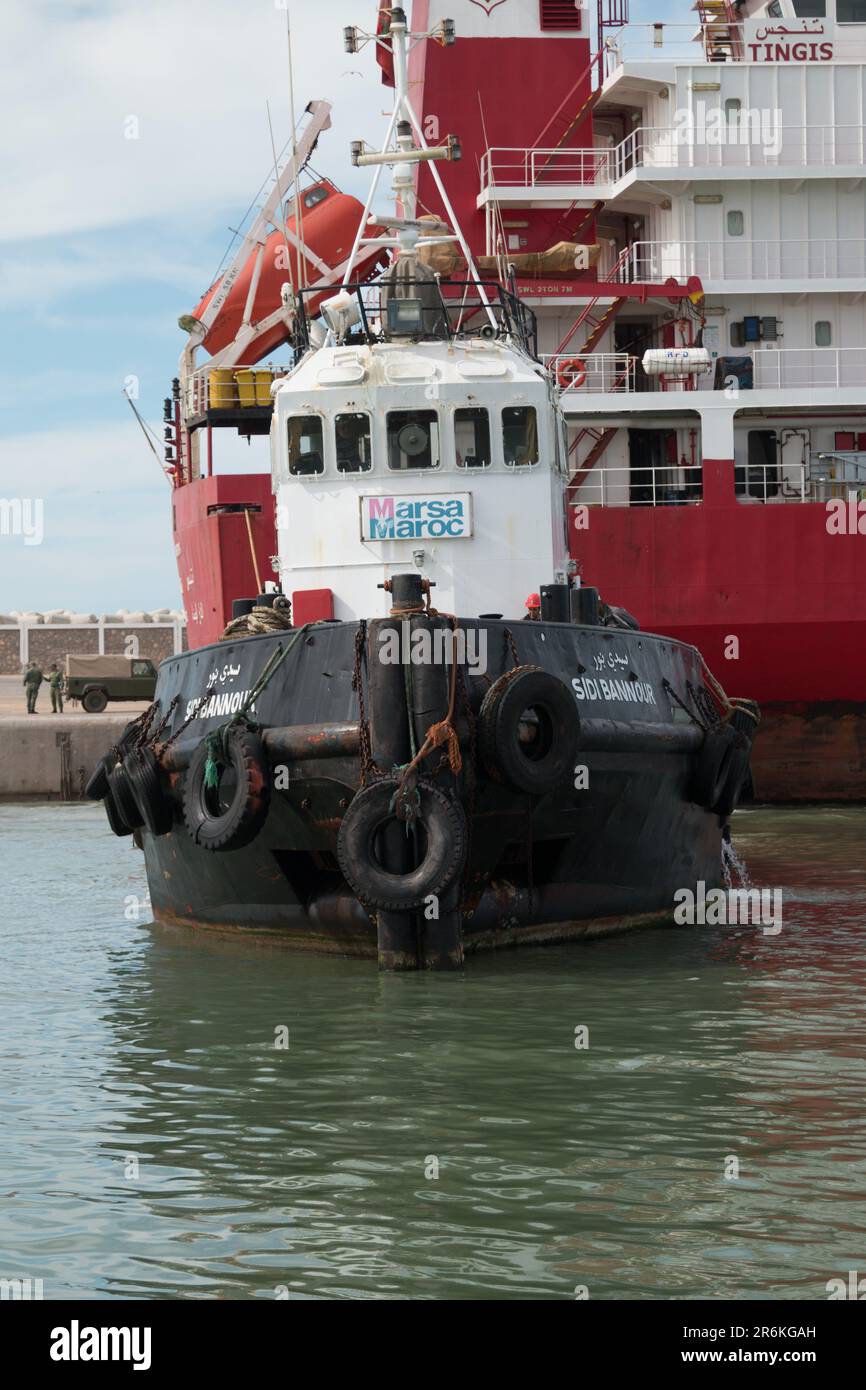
499	730
142	770
120	789
445	826
739	766
115	819
720	770
243	820
97	785
94	701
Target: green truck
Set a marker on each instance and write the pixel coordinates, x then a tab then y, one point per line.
94	680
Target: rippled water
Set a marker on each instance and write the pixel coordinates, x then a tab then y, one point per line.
155	1143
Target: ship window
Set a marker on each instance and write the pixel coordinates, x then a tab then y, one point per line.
812	9
413	439
774	10
733	106
314	196
520	435
472	437
851	11
352	433
736	223
306	451
823	333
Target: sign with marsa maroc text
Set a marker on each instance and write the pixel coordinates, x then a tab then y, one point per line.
434	516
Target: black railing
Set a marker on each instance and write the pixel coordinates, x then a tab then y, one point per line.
424	310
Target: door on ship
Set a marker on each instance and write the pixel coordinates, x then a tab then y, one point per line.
634	337
646	458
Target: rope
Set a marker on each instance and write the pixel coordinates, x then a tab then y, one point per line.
260	620
438	735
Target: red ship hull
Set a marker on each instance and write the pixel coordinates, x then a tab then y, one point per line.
776	605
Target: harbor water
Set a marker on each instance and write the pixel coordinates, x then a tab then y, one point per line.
677	1113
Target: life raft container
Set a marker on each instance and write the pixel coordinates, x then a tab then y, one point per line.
721	768
230	814
570	371
441	844
528	730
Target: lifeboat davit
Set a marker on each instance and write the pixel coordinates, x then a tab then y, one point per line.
329	224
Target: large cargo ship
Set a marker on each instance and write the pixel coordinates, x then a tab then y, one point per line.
683	206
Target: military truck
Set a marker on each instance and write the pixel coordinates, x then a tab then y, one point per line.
94	680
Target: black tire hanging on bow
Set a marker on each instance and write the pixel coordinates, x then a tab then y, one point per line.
96	787
528	730
442	842
231	814
123	797
720	770
143	773
115	819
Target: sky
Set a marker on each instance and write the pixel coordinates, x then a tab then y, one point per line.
134	137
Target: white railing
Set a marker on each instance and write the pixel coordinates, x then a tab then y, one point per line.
772	368
229	388
667	486
751	140
816	367
735	259
597	371
624	486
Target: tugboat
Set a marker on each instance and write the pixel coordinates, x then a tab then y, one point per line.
411	776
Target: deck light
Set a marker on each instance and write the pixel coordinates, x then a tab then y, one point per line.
356	149
350	38
448	32
658	35
454	148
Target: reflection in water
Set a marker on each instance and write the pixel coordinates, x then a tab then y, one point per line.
156	1143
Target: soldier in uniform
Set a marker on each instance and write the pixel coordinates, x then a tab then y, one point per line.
55	685
33	678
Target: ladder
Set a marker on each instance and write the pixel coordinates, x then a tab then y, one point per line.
720	31
597	324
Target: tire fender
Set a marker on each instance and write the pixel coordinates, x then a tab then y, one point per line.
218	823
531	756
445	843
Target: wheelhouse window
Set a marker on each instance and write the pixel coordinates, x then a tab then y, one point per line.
823	333
472	437
413	439
306	449
520	436
352	437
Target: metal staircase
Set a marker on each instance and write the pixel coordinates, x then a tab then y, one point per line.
720	30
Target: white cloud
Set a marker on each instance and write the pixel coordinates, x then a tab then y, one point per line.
194	76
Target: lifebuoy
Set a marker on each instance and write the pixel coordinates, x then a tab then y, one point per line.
233	812
570	371
442	846
142	770
528	728
721	769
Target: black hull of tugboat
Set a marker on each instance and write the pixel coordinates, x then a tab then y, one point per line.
605	850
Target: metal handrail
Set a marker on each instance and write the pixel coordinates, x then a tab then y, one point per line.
660	147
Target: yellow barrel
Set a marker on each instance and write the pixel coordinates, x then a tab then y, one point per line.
246	381
263	387
222	394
